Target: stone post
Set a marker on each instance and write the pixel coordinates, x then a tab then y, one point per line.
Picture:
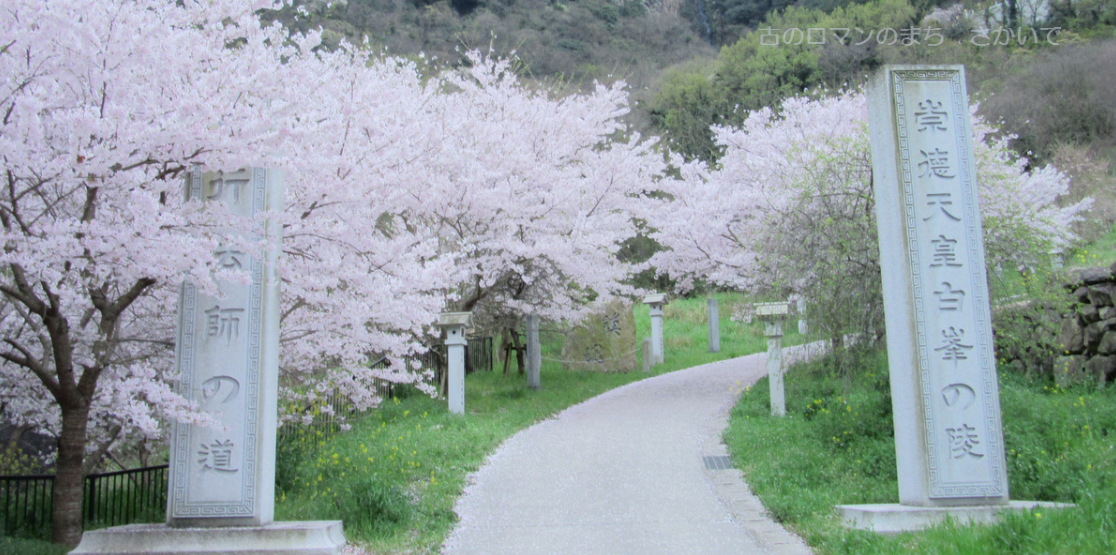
656	302
646	355
221	482
772	315
714	326
227	359
455	324
945	400
803	328
534	352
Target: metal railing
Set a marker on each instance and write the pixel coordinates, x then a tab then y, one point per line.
110	499
126	497
25	505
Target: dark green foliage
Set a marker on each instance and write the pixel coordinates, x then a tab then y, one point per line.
1066	95
465	7
571	42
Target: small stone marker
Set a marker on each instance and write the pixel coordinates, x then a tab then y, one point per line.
534	352
605	341
714	326
945	399
455	324
656	302
773	315
222	480
800	305
646	355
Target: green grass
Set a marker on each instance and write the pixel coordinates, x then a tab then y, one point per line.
1099	252
836	446
394	477
30	547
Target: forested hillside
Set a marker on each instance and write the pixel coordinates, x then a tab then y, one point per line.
572	41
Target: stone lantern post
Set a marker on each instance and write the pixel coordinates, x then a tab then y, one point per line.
773	315
455	324
656	302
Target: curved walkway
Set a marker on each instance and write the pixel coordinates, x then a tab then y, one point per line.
624	473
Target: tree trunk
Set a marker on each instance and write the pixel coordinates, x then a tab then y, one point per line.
519	349
69	476
505	339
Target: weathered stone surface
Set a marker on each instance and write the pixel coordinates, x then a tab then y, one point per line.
1107	345
604	342
1089	276
1100	367
1107	313
1101	295
1081	294
1069	370
1088	313
322	537
1070	338
1092	335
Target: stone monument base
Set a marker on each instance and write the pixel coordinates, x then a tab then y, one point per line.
892	518
317	537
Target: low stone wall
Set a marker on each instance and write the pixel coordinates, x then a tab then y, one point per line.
1088	335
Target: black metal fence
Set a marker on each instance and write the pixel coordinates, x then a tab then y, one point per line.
25	505
478	354
111	499
126	497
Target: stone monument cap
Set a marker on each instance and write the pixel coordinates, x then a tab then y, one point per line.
451	319
655	298
769	310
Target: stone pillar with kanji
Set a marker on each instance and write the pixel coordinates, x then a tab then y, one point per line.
227	360
945	398
221	485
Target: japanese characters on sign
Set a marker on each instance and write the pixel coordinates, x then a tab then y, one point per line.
218	358
945	398
944	259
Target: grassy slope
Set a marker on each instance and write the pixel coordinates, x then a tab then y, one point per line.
394	477
837	447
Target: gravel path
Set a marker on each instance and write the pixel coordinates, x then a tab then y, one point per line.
624	473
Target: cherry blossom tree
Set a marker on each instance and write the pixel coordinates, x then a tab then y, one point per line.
534	193
790	211
404	192
105	106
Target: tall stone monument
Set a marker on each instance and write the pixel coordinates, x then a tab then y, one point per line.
945	397
221	489
227	358
656	302
455	324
